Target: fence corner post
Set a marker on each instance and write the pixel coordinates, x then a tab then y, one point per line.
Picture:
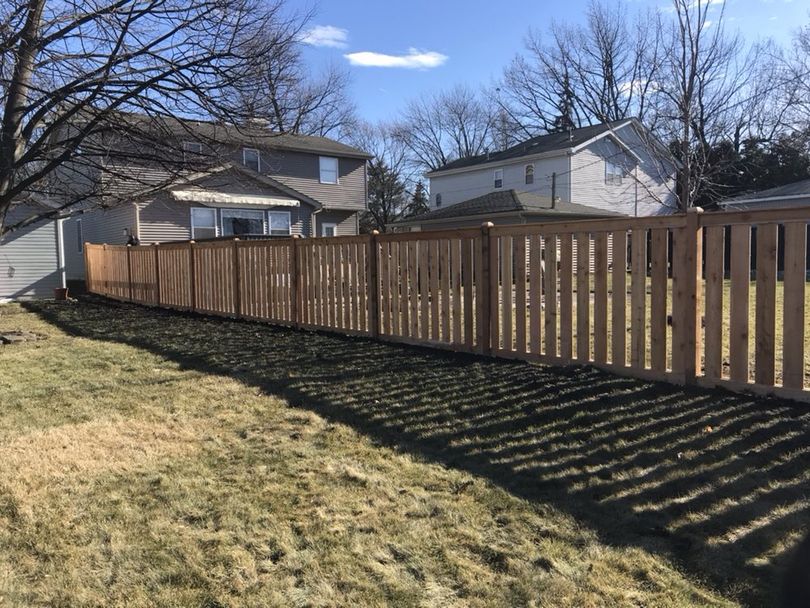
296	282
485	292
129	271
157	274
373	286
192	280
686	318
237	299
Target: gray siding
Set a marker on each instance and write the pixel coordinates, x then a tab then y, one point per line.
29	258
347	222
97	226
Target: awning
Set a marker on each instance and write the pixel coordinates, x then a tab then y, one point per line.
209	198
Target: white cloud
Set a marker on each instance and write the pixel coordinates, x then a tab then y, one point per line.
413	59
326	35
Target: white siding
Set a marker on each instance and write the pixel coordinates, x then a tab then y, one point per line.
459	187
29	259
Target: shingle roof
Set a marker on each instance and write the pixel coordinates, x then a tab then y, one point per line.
252	135
541	144
800	188
509	201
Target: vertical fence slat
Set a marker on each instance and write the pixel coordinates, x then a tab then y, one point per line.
795	278
506	292
467	279
619	299
638	299
566	297
444	270
764	361
519	254
433	254
740	278
600	301
550	288
658	299
713	331
414	287
535	293
455	278
583	296
424	291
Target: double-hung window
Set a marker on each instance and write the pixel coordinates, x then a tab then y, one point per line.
242	221
279	223
529	177
203	223
613	173
251	159
499	178
328	166
438	200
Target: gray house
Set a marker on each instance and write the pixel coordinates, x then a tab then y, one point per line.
32	259
796	194
252	182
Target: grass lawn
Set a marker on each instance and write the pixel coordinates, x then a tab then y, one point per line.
157	459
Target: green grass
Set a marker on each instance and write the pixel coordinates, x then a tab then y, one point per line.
157	459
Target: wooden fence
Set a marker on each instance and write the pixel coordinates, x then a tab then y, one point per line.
646	297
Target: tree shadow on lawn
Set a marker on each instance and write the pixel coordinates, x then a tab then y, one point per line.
716	482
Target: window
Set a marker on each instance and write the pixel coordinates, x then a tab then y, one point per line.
251	159
191	148
329	169
328	229
613	173
279	222
241	221
438	200
499	178
203	223
529	174
79	237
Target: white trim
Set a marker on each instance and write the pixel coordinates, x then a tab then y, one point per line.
270	224
326	225
216	226
60	251
337	169
258	158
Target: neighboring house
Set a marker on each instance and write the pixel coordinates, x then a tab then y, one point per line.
263	184
616	167
796	194
502	207
31	258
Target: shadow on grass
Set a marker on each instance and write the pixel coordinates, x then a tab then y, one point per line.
716	482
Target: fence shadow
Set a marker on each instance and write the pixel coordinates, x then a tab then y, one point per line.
715	481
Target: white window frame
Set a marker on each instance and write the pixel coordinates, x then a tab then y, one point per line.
269	222
614	174
528	171
223	213
216	223
321	160
332	225
258	158
498	177
79	236
438	200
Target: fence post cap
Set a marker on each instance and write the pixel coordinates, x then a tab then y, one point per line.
487	225
296	236
375	232
695	210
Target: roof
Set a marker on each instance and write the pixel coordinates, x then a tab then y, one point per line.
542	144
507	201
255	134
794	190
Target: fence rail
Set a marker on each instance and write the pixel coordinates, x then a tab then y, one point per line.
711	299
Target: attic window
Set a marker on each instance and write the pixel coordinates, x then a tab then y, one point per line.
613	173
438	200
499	178
529	174
250	158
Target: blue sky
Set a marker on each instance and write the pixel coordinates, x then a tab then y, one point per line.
420	46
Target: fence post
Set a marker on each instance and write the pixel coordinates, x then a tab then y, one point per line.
106	267
373	286
88	275
296	280
192	279
157	275
237	299
686	274
129	271
485	292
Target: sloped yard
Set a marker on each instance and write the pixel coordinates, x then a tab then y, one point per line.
151	458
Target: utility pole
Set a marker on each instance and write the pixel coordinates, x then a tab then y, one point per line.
553	190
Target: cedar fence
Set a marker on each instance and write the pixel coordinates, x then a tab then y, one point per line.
666	298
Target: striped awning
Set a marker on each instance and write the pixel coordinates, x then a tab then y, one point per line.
210	198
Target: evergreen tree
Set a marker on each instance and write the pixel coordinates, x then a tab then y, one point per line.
564	119
419	202
386	197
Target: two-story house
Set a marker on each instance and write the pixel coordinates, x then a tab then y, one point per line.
240	181
607	169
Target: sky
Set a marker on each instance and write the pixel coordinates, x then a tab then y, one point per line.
396	50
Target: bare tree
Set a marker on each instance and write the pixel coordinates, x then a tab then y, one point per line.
601	71
74	73
455	124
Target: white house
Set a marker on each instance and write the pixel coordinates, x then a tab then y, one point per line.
616	167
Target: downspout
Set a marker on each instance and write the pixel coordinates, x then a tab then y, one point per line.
635	174
60	251
312	222
137	222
